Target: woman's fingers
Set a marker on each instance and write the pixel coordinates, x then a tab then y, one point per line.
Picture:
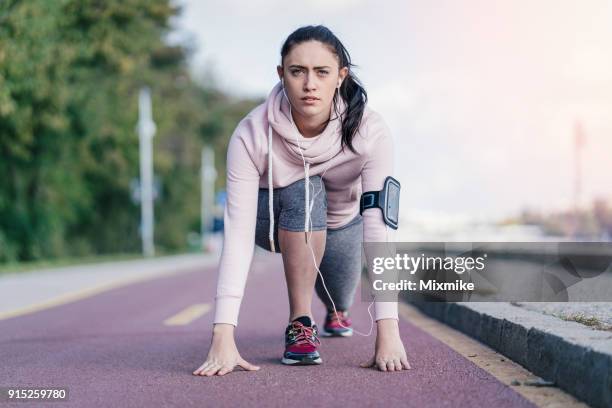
397	364
202	368
405	363
248	366
392	364
212	369
381	364
368	363
225	369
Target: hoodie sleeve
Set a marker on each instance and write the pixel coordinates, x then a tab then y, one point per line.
378	165
239	220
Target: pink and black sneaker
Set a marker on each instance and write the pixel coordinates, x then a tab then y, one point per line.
337	325
301	342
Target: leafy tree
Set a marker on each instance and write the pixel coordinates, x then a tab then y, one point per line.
70	72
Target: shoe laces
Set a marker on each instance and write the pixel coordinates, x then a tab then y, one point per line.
303	334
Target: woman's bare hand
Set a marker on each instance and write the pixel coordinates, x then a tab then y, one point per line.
389	352
223	355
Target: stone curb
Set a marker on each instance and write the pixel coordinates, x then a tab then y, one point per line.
576	358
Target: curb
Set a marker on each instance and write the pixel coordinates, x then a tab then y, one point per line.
574	357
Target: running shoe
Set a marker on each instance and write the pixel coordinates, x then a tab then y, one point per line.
337	325
301	342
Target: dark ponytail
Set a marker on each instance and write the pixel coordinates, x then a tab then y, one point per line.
351	91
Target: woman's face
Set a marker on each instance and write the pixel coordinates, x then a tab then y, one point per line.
310	70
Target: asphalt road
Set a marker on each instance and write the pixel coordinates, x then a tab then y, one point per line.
115	349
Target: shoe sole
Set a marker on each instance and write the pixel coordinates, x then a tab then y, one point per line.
304	361
336	334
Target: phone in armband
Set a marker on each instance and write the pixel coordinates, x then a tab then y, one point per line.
386	199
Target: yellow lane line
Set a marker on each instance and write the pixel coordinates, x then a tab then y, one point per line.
188	315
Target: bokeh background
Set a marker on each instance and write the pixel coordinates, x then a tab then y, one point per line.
501	113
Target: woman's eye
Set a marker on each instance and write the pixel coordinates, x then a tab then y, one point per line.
297	71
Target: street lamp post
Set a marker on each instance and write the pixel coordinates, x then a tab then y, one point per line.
208	177
146	131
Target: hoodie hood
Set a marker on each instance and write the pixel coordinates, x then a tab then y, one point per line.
316	149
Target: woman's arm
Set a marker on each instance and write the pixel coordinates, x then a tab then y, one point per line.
239	219
377	167
389	351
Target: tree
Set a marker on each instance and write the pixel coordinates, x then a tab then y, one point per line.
70	72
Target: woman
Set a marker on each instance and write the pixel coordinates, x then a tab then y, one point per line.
313	140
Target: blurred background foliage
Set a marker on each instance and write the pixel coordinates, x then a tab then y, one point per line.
70	72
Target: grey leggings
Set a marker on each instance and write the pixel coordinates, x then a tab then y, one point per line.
341	263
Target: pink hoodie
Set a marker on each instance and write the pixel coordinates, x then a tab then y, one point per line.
347	175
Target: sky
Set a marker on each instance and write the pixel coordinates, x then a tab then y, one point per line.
482	97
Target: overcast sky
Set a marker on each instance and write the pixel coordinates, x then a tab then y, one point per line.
481	96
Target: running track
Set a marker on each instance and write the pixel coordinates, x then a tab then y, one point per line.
113	349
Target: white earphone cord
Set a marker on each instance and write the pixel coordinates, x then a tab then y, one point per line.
308	226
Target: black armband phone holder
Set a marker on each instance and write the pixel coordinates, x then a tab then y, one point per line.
386	199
